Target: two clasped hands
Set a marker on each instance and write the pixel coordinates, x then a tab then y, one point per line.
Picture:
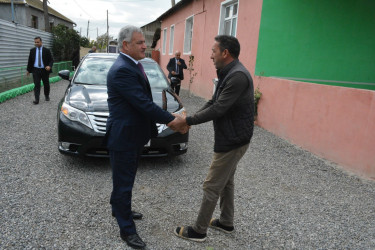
179	124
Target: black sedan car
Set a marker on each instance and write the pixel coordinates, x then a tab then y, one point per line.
83	111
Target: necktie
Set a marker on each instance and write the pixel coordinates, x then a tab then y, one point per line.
176	67
39	59
140	66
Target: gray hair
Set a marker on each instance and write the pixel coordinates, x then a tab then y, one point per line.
126	34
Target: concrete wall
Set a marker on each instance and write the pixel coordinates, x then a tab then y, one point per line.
335	123
22	16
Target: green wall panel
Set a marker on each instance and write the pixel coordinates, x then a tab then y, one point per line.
323	41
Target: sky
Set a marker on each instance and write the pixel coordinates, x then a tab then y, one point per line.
120	13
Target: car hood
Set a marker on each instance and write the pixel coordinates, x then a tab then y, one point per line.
93	98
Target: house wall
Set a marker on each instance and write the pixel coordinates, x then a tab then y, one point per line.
335	123
22	15
331	43
206	25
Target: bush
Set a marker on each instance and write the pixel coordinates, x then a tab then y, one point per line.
66	43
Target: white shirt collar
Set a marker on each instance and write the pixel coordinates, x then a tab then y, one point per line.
135	61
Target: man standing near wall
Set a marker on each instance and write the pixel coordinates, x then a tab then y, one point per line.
232	111
40	65
175	67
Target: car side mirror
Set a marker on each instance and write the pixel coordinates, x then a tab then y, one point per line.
64	74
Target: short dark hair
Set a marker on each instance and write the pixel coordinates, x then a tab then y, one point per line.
38	37
230	43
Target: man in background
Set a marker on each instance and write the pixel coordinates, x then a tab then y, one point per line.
93	49
175	67
40	65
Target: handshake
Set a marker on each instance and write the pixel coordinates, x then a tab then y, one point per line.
179	124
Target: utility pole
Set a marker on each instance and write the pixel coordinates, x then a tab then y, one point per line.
88	24
12	6
97	32
107	32
46	17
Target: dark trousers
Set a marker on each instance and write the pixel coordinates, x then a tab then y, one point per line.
40	74
176	88
124	168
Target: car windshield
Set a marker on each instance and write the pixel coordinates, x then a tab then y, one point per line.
94	71
155	76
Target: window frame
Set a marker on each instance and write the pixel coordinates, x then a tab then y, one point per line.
223	7
34	22
171	39
164	45
191	37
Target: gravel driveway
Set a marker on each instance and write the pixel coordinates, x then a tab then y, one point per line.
286	198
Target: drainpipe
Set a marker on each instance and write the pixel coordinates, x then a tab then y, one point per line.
173	3
12	7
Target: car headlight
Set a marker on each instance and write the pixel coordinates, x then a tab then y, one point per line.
76	115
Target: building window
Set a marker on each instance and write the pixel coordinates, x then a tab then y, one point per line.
171	39
228	18
34	22
164	40
188	34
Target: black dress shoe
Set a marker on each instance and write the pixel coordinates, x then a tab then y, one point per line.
133	241
35	102
136	215
47	98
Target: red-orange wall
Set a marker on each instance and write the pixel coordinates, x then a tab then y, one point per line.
335	123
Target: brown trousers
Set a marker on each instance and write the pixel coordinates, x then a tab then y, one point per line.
219	183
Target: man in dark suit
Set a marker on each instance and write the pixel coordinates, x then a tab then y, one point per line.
130	125
175	67
40	65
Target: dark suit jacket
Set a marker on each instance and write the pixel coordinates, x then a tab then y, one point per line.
172	67
132	112
46	58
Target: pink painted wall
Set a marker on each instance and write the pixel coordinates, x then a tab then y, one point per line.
206	26
335	123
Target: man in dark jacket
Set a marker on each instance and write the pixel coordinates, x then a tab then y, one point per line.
40	65
130	125
232	111
175	67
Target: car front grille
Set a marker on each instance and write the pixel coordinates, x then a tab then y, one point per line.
99	122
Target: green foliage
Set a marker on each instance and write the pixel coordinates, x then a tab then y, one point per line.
102	41
66	42
257	96
84	42
191	73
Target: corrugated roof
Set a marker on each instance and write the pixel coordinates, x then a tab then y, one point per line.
38	5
